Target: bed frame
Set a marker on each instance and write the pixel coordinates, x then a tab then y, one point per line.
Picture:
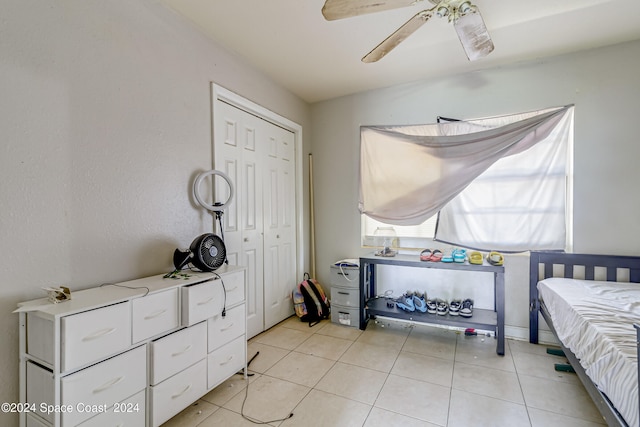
611	264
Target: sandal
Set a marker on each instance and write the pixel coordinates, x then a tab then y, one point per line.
459	255
447	258
425	255
436	255
475	257
495	258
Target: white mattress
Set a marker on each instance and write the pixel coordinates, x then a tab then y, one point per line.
595	321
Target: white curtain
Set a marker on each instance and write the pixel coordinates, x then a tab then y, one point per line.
409	173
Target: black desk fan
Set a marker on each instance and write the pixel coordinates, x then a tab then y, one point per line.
207	252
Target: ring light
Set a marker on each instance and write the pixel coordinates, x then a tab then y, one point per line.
216	207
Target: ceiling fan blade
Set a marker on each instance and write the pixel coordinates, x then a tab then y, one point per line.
408	28
473	35
339	9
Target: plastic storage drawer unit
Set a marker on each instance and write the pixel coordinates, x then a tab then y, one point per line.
345	295
345	277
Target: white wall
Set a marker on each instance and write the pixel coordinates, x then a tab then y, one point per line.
105	121
605	89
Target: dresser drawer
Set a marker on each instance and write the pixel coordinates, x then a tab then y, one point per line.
40	390
201	301
128	413
234	287
347	316
93	335
40	333
176	393
221	330
226	361
113	380
155	314
348	277
346	297
175	352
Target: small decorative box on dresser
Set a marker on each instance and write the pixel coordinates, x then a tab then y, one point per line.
345	295
133	353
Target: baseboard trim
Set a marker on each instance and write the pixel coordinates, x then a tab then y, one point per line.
522	334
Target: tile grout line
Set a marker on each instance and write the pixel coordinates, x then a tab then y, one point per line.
453	372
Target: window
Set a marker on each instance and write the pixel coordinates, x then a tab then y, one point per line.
408	236
521	199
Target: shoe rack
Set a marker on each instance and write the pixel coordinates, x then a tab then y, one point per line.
482	319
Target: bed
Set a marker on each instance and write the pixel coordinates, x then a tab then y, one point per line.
592	305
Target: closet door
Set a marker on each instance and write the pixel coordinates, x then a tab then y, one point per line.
237	149
279	225
260	226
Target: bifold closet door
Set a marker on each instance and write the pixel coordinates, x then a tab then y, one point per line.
279	224
259	226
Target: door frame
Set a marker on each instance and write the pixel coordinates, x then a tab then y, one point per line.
219	93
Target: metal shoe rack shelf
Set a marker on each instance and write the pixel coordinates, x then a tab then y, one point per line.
487	320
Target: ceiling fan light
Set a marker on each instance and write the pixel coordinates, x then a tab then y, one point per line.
465	7
442	11
473	35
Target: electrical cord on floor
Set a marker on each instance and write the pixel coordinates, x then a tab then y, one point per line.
246	395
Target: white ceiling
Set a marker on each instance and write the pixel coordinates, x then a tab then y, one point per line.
290	40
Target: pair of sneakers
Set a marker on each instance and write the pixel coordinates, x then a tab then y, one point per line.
456	307
437	306
413	301
462	308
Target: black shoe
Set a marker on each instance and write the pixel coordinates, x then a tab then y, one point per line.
467	308
443	308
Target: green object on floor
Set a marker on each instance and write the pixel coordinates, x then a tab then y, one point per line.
563	367
555	352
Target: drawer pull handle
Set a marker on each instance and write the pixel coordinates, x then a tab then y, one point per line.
186	389
187	348
108	385
226	361
343	293
99	334
205	302
342	274
228	327
155	314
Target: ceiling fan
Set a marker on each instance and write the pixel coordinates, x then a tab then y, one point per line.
464	15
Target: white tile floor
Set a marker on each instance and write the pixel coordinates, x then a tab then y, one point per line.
393	374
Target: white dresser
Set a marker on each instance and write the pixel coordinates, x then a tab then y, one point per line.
133	353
